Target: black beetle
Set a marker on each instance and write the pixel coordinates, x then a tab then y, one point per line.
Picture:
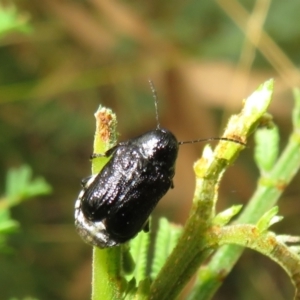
114	205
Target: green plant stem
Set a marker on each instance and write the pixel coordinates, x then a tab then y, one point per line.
269	190
265	243
106	279
107	282
192	247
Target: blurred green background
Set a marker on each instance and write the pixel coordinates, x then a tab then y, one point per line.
66	57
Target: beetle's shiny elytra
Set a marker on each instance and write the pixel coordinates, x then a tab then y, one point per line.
114	205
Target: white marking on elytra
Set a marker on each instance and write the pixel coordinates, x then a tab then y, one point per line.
90	181
93	233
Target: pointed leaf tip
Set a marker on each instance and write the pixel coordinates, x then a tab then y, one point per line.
258	101
268	219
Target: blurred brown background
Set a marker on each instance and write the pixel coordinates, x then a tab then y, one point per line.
204	58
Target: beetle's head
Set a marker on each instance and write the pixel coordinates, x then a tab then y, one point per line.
159	144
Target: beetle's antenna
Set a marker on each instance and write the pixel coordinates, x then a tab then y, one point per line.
154	93
212	139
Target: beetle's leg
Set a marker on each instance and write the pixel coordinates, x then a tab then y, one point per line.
172	184
146	227
85	182
108	153
95	155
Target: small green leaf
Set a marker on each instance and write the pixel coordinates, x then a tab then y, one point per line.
8	226
12	20
225	216
269	218
266	148
20	185
139	250
258	101
166	239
